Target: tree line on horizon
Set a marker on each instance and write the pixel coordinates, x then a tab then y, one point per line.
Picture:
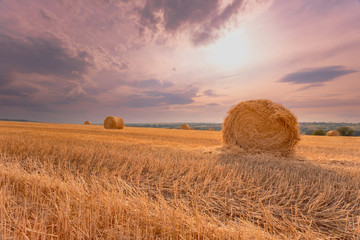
306	128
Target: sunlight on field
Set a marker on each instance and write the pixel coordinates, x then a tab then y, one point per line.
62	181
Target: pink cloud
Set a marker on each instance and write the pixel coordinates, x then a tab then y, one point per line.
100	56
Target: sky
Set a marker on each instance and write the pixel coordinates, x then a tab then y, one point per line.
67	61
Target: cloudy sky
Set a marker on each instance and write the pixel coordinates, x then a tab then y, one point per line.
174	61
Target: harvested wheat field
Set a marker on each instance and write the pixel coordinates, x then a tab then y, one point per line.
62	181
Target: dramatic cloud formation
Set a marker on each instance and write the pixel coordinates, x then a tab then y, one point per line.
173	59
316	76
203	19
46	56
33	66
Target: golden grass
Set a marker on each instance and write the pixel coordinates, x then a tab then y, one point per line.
62	181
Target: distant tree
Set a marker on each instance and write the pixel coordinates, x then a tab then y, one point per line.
308	132
302	129
318	132
345	131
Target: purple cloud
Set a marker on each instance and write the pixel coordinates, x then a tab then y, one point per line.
212	104
160	98
203	19
46	56
151	83
316	75
210	93
40	66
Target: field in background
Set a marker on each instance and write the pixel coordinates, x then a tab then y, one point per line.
306	128
62	181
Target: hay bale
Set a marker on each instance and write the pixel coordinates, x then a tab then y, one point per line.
211	129
87	123
111	122
185	126
333	133
191	128
261	126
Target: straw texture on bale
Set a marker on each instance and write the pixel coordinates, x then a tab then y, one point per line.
185	127
111	122
333	133
211	129
261	126
87	123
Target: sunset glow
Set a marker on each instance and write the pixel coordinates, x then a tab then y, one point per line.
177	61
234	50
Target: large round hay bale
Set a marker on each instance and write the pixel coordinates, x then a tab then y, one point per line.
111	122
185	126
261	125
87	123
333	133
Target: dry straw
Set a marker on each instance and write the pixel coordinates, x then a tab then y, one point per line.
111	122
333	133
185	126
87	123
261	126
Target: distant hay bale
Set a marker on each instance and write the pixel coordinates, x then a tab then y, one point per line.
185	127
191	128
111	122
87	123
261	126
333	133
211	129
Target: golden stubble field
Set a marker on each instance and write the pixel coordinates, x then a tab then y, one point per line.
62	181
